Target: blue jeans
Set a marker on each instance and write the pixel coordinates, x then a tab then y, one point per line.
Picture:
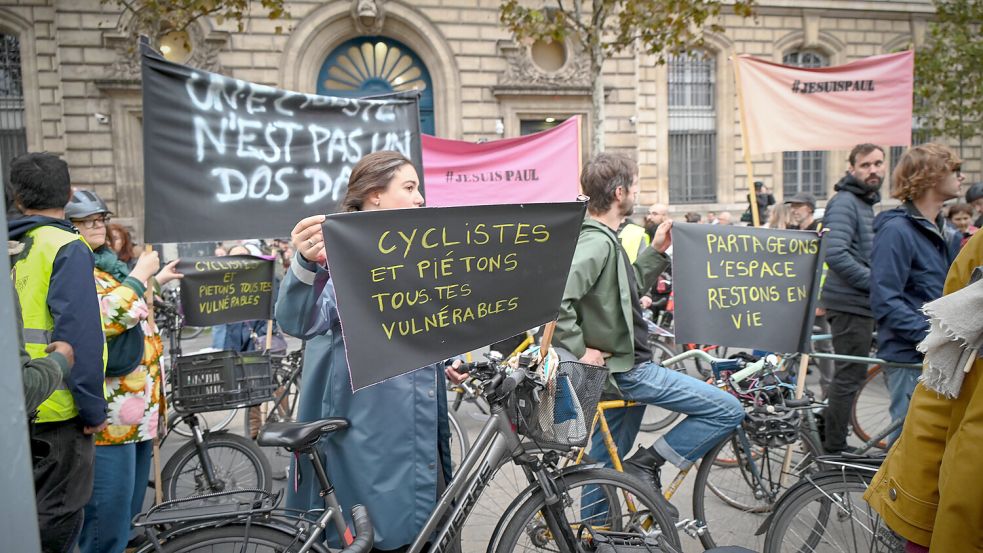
901	384
218	336
122	473
712	413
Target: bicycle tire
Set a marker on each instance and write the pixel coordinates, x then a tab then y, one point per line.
181	429
727	489
807	520
656	418
600	488
182	476
869	413
459	441
233	537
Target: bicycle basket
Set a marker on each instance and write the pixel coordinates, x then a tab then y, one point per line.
221	380
559	417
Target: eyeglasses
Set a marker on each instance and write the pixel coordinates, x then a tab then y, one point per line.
93	223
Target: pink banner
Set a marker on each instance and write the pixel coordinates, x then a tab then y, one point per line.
826	108
541	167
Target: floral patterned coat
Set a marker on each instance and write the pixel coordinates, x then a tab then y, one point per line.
133	399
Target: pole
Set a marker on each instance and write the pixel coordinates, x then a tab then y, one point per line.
752	197
547	339
162	410
800	385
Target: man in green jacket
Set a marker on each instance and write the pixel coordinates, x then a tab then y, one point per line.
601	322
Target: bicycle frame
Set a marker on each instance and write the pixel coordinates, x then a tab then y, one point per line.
496	443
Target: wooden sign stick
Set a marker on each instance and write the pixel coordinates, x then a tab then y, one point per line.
544	346
800	385
162	409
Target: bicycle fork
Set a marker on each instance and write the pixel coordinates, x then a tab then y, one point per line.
201	446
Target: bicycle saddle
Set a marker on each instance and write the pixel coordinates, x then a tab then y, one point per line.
298	435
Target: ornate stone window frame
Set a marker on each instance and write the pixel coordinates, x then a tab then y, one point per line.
12	23
322	30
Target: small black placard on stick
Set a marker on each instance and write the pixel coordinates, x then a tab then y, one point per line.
416	286
219	290
744	286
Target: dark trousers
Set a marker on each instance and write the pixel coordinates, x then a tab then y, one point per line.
852	335
62	482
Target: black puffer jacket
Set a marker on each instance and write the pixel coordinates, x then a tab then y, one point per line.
850	219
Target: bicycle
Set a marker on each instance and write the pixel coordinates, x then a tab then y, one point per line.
561	508
826	512
212	461
741	477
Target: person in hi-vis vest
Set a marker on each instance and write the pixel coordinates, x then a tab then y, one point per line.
57	294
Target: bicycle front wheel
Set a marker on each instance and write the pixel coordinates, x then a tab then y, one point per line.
599	499
727	498
235	538
237	463
830	515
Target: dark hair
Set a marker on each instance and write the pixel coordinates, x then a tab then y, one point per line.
125	253
960	208
602	176
40	181
862	150
758	185
692	217
371	174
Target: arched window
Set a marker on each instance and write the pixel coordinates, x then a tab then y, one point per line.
13	136
804	171
367	66
692	128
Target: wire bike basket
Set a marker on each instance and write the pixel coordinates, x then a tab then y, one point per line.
221	380
558	416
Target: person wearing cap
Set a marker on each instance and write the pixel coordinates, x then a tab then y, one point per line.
132	383
974	197
52	275
802	209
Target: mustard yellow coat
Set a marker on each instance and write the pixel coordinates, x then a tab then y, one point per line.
930	488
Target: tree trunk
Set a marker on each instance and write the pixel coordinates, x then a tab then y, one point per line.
597	99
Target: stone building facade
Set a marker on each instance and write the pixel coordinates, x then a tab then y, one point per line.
79	89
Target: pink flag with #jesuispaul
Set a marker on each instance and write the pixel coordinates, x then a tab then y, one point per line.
826	108
537	168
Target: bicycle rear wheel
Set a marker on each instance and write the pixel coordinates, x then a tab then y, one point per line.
656	418
598	499
234	538
870	412
729	501
830	515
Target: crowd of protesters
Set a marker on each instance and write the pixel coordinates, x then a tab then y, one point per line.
91	358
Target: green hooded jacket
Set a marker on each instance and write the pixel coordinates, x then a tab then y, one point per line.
596	309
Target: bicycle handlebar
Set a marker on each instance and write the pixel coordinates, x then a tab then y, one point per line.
364	533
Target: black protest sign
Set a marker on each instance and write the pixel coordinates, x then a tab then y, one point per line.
744	286
219	290
415	286
227	159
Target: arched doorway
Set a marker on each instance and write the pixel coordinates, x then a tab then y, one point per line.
365	66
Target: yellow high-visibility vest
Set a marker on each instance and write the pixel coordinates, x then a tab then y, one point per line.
31	275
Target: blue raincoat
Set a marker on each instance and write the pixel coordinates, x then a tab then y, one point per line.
389	459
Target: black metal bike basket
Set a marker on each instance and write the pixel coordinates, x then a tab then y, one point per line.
548	426
221	380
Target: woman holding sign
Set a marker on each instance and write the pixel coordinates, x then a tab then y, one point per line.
133	380
395	457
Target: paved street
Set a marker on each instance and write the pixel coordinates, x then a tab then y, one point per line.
737	528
